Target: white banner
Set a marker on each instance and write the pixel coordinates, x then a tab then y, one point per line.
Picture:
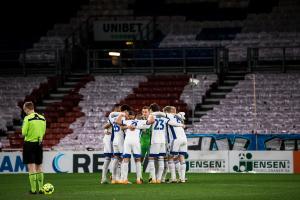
197	162
118	30
261	161
12	162
208	161
55	162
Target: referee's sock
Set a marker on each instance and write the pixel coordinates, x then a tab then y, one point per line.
40	180
32	180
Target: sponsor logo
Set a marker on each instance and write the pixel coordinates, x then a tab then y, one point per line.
248	164
12	164
55	163
206	165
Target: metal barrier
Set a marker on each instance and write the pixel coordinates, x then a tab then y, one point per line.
153	61
31	62
273	58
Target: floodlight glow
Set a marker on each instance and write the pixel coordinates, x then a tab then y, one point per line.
194	81
114	53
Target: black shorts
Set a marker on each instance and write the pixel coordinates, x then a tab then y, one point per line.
32	153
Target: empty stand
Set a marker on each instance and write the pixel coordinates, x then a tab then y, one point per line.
163	90
272	108
98	98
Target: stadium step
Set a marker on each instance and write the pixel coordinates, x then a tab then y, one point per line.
230	82
74	78
63	89
218	92
233	77
193	119
17	127
225	88
69	83
214	101
57	95
50	101
41	108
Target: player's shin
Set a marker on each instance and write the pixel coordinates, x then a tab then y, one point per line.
138	170
32	180
160	168
40	180
177	167
124	170
182	168
164	175
114	168
172	170
118	171
105	168
152	169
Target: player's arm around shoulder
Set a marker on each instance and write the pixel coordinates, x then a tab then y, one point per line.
119	120
150	120
142	124
175	123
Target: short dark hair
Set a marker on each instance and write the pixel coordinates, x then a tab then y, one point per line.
125	107
154	107
117	105
131	112
29	105
146	107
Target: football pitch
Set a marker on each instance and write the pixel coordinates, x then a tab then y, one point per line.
199	186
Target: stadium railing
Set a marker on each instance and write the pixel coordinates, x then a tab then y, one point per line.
273	58
31	62
153	61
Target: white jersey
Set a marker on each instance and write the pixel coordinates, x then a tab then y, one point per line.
159	130
133	136
107	138
117	135
173	131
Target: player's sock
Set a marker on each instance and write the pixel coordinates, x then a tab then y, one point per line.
124	171
152	169
182	169
177	167
105	168
172	170
138	170
32	180
156	167
40	180
118	175
160	168
114	169
164	175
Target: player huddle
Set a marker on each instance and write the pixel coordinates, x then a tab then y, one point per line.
156	136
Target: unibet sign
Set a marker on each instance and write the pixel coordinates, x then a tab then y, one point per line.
261	162
119	30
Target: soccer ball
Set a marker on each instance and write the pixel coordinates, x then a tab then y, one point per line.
48	188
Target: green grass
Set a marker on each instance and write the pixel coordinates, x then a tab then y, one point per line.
199	186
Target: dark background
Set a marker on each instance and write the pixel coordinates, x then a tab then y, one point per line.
23	22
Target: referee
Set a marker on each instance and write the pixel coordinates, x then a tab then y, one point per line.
33	130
